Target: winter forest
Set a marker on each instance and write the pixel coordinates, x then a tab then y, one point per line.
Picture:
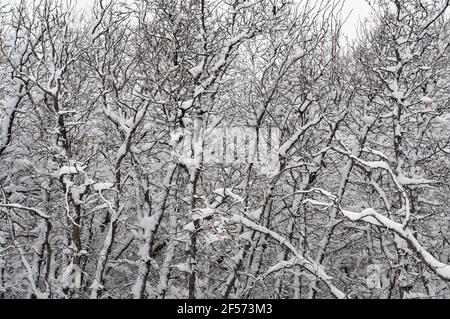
232	149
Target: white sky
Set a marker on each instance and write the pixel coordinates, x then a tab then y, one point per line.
359	8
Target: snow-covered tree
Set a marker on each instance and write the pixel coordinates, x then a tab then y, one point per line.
224	149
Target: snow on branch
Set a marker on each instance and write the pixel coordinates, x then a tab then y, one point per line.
28	209
373	217
311	266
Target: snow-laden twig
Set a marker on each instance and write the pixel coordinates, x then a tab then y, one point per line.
311	266
371	216
29	209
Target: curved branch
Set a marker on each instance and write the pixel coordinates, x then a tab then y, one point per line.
311	266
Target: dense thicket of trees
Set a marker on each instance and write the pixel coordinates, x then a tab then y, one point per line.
224	149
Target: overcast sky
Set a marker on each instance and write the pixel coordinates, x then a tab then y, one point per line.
359	8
